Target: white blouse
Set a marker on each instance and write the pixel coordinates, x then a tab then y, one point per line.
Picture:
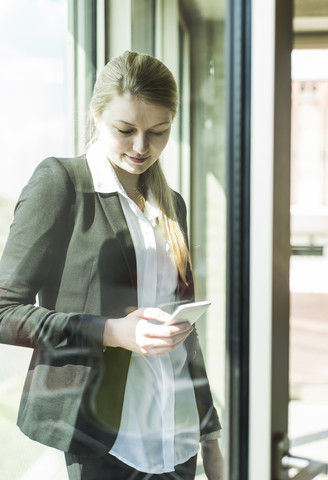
160	425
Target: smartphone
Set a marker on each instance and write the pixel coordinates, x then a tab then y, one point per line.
189	312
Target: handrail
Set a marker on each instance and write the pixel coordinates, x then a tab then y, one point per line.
308	469
311	437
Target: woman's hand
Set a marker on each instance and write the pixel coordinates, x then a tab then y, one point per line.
212	459
137	333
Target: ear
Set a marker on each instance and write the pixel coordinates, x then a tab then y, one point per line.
97	119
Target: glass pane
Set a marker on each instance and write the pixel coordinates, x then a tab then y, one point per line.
206	28
143	25
34	125
308	410
189	37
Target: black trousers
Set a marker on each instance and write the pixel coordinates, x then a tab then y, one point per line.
110	468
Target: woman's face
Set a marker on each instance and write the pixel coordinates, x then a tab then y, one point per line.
133	133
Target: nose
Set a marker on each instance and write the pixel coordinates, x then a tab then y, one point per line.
141	143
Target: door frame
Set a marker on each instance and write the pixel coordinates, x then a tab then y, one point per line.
238	56
270	238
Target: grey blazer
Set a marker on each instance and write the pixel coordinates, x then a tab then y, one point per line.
71	247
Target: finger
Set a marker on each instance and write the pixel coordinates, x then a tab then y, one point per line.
158	314
161	347
168	344
168	331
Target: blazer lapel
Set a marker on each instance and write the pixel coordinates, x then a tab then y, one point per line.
113	210
79	170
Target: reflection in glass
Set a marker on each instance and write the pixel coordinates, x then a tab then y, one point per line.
308	410
196	53
34	125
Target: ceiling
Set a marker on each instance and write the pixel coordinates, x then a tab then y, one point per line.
215	10
310	8
310	23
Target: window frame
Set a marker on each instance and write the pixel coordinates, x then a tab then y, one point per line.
238	235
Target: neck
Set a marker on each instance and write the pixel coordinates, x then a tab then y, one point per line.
128	180
131	184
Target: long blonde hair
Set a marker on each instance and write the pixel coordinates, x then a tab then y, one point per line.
148	79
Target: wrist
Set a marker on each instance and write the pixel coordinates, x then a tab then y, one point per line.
109	333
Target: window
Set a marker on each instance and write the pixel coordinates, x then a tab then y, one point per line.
60	57
34	121
308	268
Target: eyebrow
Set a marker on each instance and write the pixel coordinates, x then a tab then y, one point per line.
132	125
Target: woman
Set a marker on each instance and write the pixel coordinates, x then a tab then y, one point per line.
102	241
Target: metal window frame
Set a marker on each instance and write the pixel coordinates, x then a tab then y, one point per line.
83	57
238	234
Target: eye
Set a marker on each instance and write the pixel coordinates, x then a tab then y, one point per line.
124	132
158	133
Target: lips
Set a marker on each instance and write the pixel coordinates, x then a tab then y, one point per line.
137	159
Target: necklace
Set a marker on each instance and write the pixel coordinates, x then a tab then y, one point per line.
138	196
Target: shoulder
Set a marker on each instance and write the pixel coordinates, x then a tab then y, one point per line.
54	170
57	176
48	180
71	169
180	208
178	200
53	184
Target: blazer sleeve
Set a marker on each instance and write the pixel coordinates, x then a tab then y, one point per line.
35	244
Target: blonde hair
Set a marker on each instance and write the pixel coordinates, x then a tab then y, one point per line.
149	80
